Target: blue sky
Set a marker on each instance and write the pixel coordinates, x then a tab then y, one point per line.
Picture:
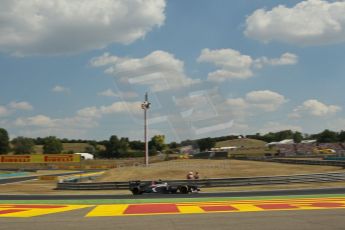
79	69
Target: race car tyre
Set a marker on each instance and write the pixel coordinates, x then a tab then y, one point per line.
136	191
173	191
183	189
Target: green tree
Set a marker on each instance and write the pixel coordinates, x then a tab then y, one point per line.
206	143
157	143
52	145
137	145
39	141
90	149
327	136
341	136
173	145
278	136
4	141
285	134
297	137
116	147
269	137
23	145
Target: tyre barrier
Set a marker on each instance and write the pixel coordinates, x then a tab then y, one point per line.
218	182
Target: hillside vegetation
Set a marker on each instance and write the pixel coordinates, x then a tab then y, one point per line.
177	169
69	147
247	147
245	142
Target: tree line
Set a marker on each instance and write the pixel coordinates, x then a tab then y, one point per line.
326	136
25	145
122	147
113	148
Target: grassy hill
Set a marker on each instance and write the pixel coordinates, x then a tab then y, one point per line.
177	169
247	147
245	142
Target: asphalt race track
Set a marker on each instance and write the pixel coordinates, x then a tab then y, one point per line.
318	209
153	196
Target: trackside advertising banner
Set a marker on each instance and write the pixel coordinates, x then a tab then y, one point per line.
40	158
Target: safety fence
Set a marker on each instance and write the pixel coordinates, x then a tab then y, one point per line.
337	163
221	182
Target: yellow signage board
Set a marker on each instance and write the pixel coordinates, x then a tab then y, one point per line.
40	158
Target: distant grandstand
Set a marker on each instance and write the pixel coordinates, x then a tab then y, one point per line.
310	148
246	147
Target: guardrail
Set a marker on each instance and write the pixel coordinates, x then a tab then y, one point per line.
308	162
221	182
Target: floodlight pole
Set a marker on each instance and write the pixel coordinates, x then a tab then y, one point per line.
145	106
146	143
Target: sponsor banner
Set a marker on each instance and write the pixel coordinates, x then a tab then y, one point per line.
40	158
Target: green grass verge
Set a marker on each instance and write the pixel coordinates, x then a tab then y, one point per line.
165	200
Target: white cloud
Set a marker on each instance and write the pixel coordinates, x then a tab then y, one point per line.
198	105
120	107
43	121
128	94
276	127
23	105
41	125
314	107
60	89
89	112
4	111
103	60
76	122
13	106
264	100
108	93
285	59
310	22
74	126
159	70
125	95
238	103
234	65
117	107
84	118
63	26
39	120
